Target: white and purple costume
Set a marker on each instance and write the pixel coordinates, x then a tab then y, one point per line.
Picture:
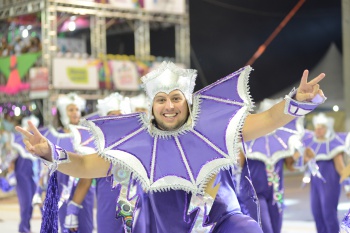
174	167
325	192
265	160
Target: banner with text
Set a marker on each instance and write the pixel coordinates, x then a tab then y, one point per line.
72	73
125	75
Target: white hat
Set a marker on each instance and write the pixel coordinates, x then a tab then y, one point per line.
167	78
64	100
113	102
32	118
268	103
322	119
139	101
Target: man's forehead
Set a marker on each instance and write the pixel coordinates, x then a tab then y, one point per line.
173	93
72	105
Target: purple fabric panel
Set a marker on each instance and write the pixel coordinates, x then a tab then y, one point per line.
325	198
322	150
226	90
270	224
25	191
291	125
258	145
238	223
85	135
271	217
65	143
307	137
115	128
259	177
141	147
192	145
168	160
338	140
210	127
226	202
164	211
106	199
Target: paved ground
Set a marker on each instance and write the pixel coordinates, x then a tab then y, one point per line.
297	216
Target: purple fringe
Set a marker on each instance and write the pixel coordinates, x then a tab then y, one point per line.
49	222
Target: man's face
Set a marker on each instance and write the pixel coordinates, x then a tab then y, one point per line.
170	110
73	114
320	131
114	113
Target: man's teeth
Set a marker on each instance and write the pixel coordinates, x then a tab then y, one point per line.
170	115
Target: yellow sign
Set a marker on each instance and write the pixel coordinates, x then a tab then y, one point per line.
78	75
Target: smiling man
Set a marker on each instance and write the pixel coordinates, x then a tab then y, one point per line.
174	111
170	110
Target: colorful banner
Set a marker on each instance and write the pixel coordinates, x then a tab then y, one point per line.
14	68
125	75
165	6
39	83
75	74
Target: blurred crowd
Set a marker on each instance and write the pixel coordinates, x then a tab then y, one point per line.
19	46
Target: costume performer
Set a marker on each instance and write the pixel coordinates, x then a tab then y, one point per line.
71	214
182	154
106	194
266	157
27	175
328	148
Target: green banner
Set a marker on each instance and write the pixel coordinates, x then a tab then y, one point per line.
24	63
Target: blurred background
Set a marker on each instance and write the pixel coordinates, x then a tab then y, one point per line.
52	47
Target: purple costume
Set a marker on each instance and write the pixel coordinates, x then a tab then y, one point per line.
106	207
166	211
26	181
265	158
325	195
66	184
170	165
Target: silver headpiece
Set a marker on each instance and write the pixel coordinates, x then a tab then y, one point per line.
139	101
113	102
64	100
322	119
167	78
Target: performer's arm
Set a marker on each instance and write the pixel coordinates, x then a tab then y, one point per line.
289	162
87	166
257	125
345	173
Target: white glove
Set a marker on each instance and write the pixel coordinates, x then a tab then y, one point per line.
71	220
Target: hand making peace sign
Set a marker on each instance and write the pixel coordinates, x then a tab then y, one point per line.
308	90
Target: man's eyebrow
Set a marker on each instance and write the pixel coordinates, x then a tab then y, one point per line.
176	95
159	96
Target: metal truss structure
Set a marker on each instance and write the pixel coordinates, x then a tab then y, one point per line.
98	13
